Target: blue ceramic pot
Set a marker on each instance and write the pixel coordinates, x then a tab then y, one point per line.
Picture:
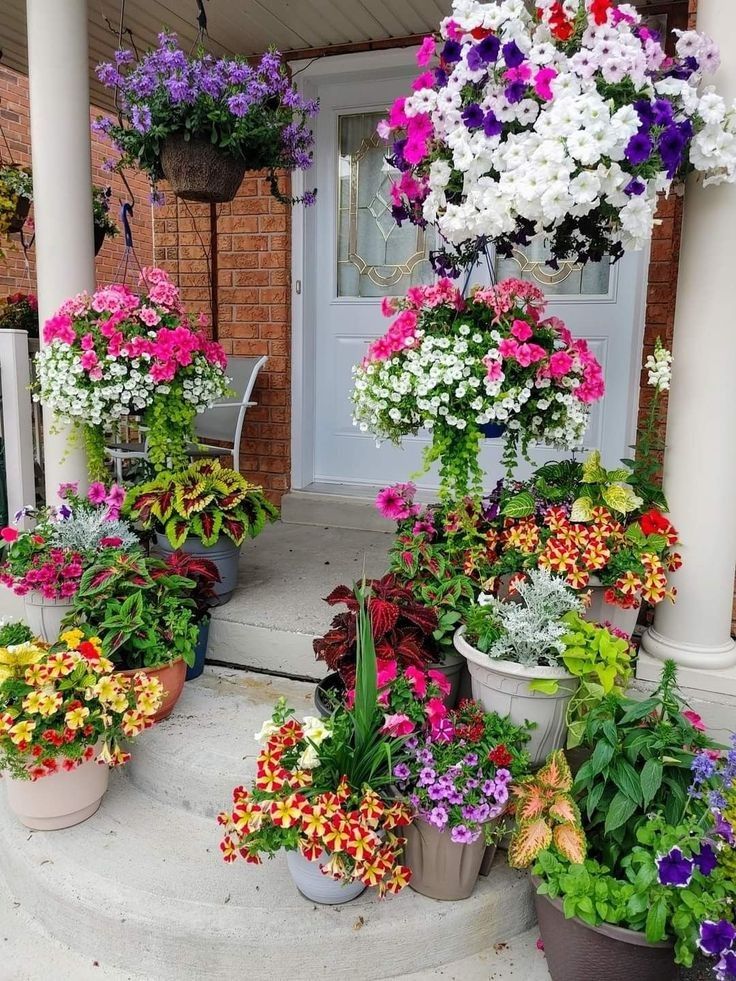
200	651
492	430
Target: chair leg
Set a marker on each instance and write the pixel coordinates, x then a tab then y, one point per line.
119	470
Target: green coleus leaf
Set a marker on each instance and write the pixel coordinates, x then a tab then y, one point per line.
519	506
177	530
621	498
582	509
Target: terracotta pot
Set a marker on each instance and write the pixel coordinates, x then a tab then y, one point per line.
44	616
17	222
441	868
224	554
312	884
61	800
172	677
578	952
199	171
503	687
601	612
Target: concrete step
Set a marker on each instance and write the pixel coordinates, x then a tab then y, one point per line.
514	960
346	510
141	887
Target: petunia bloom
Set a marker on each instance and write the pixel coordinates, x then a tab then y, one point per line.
675	869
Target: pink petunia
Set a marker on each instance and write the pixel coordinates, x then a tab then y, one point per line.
417	680
424	81
695	720
521	330
495	371
426	51
386	672
97	493
529	354
560	364
115	496
436	710
542	83
440	680
149	316
397	725
89	360
508	348
397	116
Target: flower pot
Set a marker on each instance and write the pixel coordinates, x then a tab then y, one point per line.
224	554
503	687
312	884
44	616
60	800
172	677
200	651
578	952
492	430
16	223
451	667
601	612
99	238
328	691
199	171
440	867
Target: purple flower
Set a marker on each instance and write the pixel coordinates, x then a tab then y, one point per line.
178	90
645	112
438	817
716	801
715	938
515	92
725	969
662	112
491	125
635	187
411	743
239	104
462	835
675	869
427	776
471	759
425	756
141	118
503	775
723	828
473	116
451	52
454	797
436	792
671	144
489	788
402	771
471	783
64	512
488	48
639	149
703	768
475	60
707	859
513	55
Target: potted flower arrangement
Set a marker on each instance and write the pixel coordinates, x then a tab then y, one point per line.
46	565
206	510
457	778
16	197
322	793
455	366
201	122
568	121
63	715
143	612
117	353
521	672
203	573
19	311
104	226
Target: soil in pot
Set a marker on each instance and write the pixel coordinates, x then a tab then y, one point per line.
578	952
328	694
441	868
62	799
319	888
172	677
199	171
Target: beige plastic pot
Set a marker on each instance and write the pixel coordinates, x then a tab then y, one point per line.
441	868
61	800
44	616
503	687
578	952
601	612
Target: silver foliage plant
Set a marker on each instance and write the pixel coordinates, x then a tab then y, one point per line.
533	628
83	531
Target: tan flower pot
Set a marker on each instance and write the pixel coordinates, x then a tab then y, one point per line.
199	171
172	677
441	868
44	616
61	800
601	612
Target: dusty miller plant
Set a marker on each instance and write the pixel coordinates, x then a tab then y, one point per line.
532	630
84	531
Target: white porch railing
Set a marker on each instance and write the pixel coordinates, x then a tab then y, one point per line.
17	419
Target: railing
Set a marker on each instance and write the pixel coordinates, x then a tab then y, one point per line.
17	419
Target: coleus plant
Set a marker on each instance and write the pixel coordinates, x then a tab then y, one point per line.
205	501
402	627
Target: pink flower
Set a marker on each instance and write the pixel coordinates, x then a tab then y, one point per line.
560	364
495	371
89	360
96	374
162	372
397	116
384	129
417	680
97	493
115	497
387	672
388	306
397	725
426	51
396	503
694	719
521	330
59	328
440	680
436	710
9	534
88	342
508	347
149	316
542	83
67	490
529	354
425	81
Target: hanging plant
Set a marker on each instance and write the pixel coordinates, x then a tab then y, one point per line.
16	196
116	354
202	122
568	121
104	226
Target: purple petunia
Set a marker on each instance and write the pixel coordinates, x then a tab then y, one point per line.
707	859
635	187
462	835
515	92
492	126
427	776
402	771
671	145
473	116
438	816
715	938
675	869
723	828
451	52
725	969
639	149
513	55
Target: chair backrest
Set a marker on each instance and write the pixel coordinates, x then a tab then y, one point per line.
225	423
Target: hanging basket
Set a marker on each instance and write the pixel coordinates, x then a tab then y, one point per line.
99	238
199	171
16	223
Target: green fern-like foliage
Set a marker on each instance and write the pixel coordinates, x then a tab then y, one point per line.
205	501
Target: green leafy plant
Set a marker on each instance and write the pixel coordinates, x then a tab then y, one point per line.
642	752
15	633
206	501
142	611
482	627
547	816
101	211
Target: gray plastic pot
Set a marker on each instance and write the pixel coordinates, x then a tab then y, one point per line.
452	667
224	554
440	867
312	884
578	952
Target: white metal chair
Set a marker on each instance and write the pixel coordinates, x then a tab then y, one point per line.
224	420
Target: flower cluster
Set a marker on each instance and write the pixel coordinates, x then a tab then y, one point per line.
458	779
659	368
16	194
350	831
57	707
65	542
568	123
19	311
117	353
453	366
252	112
413	701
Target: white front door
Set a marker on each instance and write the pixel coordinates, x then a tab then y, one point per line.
355	254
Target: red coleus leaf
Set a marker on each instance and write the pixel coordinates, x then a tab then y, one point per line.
425	617
143	504
234	529
343	594
383	617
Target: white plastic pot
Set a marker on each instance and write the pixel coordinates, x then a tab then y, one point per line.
601	612
312	884
44	616
503	687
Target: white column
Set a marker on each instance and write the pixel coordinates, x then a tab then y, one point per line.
62	184
700	464
17	414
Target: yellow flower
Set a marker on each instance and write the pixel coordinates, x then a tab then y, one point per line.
18	656
119	703
133	723
107	689
149	704
50	702
32	702
21	732
36	675
72	638
76	718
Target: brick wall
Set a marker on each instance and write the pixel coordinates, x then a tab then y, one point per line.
254	313
15	121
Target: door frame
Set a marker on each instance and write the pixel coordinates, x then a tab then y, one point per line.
350	68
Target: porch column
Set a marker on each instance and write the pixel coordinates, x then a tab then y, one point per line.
700	464
58	69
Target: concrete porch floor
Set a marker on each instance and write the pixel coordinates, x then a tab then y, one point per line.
279	605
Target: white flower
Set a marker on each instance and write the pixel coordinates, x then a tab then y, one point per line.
316	730
268	728
309	759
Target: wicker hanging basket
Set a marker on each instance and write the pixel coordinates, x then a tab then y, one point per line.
22	207
199	171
